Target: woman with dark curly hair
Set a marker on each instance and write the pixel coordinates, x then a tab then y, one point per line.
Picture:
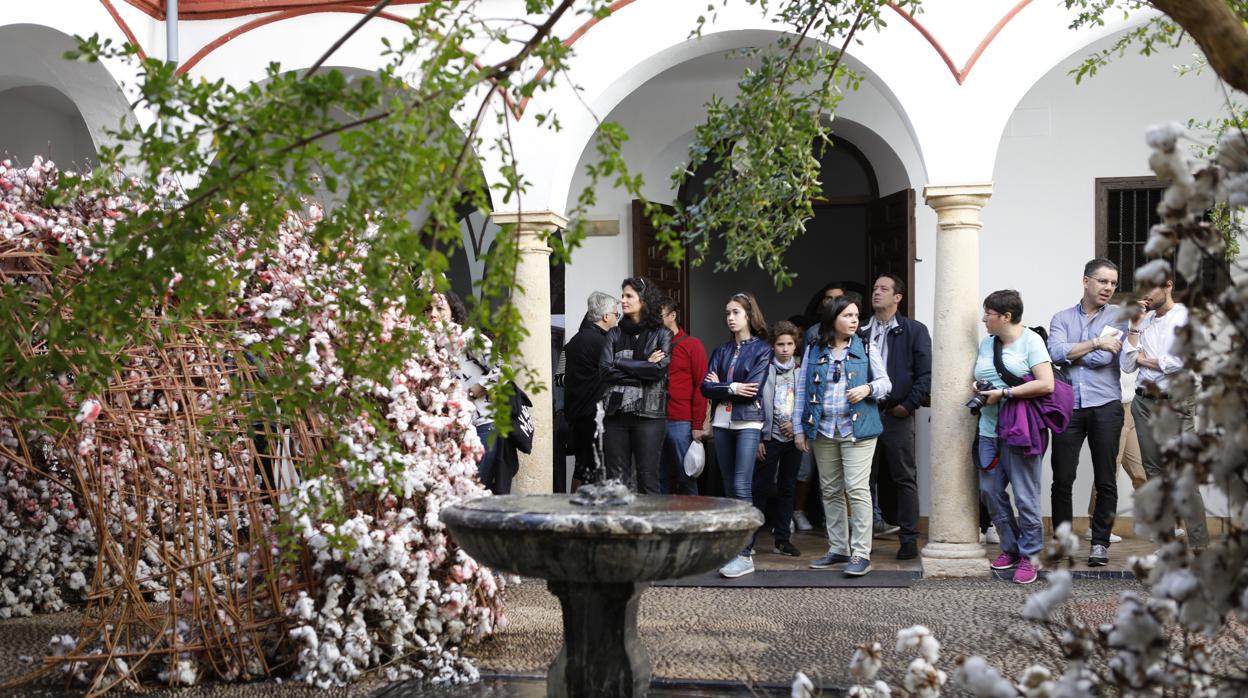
634	371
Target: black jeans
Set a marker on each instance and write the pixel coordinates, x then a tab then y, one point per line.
584	449
897	475
775	480
632	446
1102	427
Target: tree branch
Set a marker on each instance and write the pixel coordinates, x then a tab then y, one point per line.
1219	31
376	10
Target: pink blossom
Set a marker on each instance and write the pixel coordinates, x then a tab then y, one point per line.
88	412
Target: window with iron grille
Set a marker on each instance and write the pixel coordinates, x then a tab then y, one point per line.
1126	209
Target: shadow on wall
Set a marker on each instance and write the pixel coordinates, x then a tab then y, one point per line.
40	120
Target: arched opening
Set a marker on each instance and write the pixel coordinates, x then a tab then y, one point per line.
854	235
51	106
40	120
873	137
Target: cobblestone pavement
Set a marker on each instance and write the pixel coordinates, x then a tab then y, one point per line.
734	636
764	636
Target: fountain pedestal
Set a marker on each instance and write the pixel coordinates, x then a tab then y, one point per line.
598	560
601	647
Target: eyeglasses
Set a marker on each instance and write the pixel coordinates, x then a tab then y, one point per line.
1104	282
992	313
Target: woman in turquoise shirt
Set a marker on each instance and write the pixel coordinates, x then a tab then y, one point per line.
1001	466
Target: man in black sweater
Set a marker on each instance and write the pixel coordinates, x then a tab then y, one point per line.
906	349
582	383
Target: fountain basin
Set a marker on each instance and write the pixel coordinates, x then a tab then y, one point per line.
655	537
598	560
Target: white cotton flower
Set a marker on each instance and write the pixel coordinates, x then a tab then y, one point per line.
879	689
923	680
981	679
866	662
1164	136
1074	683
920	639
1065	543
1154	273
802	687
1037	682
1041	605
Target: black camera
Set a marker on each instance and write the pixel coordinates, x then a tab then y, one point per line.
977	402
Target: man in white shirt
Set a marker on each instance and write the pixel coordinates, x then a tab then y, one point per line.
1149	339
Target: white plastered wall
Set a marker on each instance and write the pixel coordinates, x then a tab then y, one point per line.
1039	226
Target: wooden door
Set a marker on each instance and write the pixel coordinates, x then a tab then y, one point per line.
890	242
650	261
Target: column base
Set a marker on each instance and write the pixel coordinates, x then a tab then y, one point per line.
954	560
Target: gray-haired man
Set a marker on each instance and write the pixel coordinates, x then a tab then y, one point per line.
582	382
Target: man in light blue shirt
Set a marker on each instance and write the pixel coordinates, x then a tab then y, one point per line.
1084	341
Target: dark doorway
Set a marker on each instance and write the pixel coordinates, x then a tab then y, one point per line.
854	235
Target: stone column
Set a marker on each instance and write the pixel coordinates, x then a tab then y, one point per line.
953	548
532	298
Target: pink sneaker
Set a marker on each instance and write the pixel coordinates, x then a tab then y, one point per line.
1005	561
1026	572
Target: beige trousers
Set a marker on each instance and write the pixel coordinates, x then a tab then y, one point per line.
845	473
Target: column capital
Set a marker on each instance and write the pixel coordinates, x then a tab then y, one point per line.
940	196
531	221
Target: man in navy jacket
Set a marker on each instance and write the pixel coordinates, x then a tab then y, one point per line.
906	347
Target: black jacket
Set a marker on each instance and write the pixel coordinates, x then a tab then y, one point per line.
909	364
582	381
652	377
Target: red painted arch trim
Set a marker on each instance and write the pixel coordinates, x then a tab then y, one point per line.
970	63
961	75
958	75
940	50
125	28
254	24
192	10
573	38
288	14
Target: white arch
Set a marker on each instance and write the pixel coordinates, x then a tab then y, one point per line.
612	60
960	129
245	58
33	55
956	126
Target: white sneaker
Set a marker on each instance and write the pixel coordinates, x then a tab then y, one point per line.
992	536
981	537
738	566
801	522
1113	538
1180	533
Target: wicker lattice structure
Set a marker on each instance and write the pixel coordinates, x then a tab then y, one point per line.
179	488
190	523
